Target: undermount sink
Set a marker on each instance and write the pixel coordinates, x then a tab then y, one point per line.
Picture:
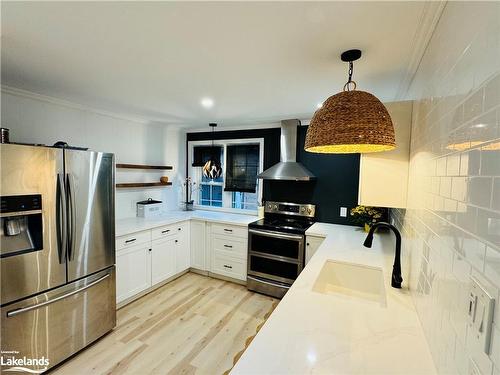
351	279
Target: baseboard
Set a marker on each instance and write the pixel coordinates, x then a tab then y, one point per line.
226	278
151	289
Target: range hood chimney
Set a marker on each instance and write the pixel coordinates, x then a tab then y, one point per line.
288	168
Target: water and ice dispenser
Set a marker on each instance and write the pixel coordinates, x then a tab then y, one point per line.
21	228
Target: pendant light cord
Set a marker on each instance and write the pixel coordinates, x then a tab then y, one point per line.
349	81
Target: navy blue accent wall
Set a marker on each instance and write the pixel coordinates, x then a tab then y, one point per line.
337	175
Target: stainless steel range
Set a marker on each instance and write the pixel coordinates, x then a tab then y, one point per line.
276	247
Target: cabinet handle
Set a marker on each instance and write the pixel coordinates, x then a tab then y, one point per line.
131	240
228	230
308	244
176	241
165	231
229	246
225	265
150	249
179	228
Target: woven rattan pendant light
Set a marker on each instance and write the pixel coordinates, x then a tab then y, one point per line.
351	121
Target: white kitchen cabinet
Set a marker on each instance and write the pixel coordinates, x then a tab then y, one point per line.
229	266
133	271
312	244
182	248
163	259
146	258
229	251
198	245
383	176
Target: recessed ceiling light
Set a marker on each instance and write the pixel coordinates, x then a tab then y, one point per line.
207	102
319	105
480	125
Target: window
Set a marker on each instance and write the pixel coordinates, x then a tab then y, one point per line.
234	190
211	190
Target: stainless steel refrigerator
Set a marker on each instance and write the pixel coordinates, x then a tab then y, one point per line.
57	241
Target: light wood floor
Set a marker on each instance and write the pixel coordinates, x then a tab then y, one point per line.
195	324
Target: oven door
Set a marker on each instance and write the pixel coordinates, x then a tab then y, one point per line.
278	245
275	255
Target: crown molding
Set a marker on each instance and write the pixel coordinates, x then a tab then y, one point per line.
429	19
68	104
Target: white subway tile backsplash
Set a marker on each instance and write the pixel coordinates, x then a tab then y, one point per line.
490	162
492	265
495	346
459	188
454	192
453	165
479	191
495	203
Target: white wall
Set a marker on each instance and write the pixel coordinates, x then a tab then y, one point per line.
449	232
37	119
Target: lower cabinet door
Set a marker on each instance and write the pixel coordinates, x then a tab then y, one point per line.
163	259
198	245
133	271
312	245
182	254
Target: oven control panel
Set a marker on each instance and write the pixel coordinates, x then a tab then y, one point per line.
306	210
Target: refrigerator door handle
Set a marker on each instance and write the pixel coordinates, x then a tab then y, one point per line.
45	303
71	216
61	228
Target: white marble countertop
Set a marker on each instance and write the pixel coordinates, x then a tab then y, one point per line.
137	224
310	332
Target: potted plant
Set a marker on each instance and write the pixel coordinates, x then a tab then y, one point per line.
190	186
366	216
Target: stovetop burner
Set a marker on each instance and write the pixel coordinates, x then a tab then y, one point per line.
278	218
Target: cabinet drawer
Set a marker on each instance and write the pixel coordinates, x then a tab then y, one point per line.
169	230
232	246
229	266
230	230
133	239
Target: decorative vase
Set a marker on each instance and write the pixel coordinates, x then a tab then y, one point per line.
188	206
367	227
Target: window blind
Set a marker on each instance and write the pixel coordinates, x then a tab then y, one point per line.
203	153
242	168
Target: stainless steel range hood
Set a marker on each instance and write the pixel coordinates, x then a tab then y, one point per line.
288	168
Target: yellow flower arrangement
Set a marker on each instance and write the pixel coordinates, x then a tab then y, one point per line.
366	215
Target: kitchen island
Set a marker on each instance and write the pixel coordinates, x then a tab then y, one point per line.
312	332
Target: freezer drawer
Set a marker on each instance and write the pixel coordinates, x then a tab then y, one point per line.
56	324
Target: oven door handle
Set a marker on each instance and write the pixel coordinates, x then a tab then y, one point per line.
269	233
268	282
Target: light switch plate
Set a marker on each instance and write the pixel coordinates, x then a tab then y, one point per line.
343	211
480	317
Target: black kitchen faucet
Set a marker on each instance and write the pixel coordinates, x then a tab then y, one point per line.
397	279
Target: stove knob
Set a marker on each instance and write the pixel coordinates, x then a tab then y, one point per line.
275	207
309	211
302	209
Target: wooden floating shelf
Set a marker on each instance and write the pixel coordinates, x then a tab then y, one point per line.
142	184
141	166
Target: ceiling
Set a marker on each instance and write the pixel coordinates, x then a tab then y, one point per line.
259	61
